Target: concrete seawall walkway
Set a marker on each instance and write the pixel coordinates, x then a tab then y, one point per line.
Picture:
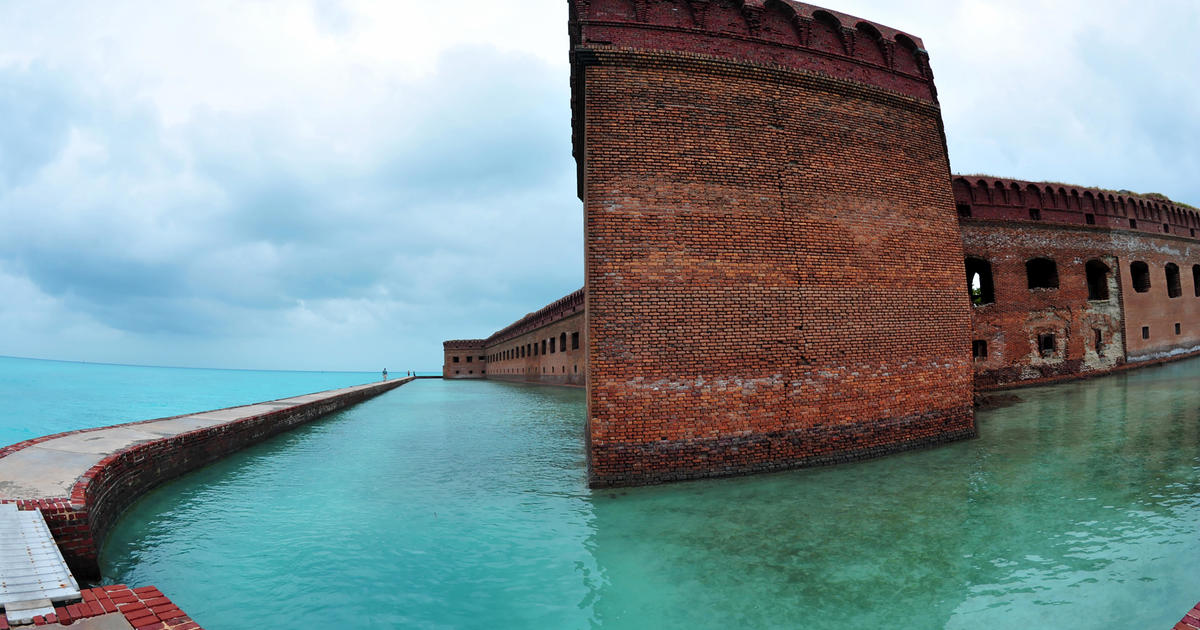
82	480
51	468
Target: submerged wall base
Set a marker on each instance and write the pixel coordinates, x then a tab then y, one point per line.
615	465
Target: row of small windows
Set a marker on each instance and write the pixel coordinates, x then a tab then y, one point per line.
1048	343
1042	273
1139	273
550	345
532	370
469	359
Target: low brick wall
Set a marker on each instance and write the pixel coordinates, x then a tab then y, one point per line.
1190	621
81	521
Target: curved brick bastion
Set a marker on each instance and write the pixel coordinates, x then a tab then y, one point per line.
772	259
83	480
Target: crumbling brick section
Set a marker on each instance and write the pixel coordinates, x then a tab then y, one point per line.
143	608
773	262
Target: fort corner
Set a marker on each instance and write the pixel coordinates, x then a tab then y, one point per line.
772	256
775	251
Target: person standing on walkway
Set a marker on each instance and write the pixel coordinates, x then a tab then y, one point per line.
385	374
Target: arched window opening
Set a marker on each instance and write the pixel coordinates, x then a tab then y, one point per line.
1042	273
562	342
979	281
1097	280
1139	274
1173	288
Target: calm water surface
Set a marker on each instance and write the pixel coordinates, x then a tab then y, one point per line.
464	505
44	397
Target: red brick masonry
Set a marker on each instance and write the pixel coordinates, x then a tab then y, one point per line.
772	256
81	521
144	608
1191	621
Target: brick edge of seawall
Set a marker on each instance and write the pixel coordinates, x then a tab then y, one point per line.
144	608
80	522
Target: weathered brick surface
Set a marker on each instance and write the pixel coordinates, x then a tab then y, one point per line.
464	359
772	256
544	347
144	608
1008	223
515	359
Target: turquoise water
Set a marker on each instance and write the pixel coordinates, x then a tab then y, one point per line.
45	397
464	505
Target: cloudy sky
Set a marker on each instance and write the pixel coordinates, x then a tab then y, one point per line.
342	184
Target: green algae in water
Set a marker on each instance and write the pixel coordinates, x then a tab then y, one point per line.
464	505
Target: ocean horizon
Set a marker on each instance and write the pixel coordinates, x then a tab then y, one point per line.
49	396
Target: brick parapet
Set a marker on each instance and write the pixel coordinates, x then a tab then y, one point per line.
559	309
774	32
1016	201
765	33
80	522
463	344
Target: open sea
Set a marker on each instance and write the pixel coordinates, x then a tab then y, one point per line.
465	505
44	397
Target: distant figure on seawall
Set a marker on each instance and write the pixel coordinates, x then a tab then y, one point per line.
385	374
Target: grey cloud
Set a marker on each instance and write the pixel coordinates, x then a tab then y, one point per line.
35	110
462	208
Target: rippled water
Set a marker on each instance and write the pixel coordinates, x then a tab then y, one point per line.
463	504
44	397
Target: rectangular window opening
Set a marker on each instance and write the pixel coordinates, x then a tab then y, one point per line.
1090	218
456	359
1099	340
1046	345
575	341
1145	332
1035	214
979	349
964	210
1133	223
1178	329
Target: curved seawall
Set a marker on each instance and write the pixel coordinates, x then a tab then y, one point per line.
83	480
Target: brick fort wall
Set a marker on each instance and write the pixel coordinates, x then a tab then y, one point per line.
1125	288
772	255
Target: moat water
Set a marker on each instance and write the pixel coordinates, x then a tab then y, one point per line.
464	505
